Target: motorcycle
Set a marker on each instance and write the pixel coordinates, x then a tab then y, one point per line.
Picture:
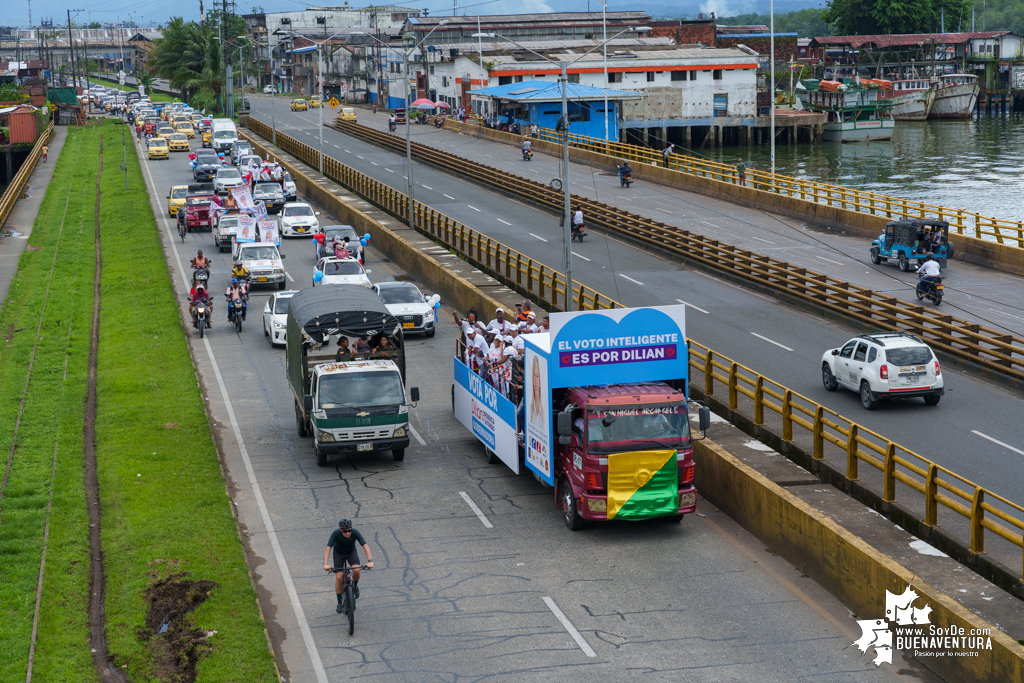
578	232
200	276
527	154
392	126
930	289
438	122
202	317
626	180
235	314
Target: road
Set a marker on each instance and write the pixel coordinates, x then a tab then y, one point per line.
975	430
452	598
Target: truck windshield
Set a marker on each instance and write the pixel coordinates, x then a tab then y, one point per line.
258	253
649	426
361	390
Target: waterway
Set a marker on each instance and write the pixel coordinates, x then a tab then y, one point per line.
976	164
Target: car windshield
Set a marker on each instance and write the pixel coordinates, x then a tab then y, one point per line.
158	143
224	134
228	173
281	305
341	233
179	137
268	188
207	159
909	355
165	130
298	211
288	177
342	268
228	221
666	425
198	201
361	390
179	192
258	253
405	294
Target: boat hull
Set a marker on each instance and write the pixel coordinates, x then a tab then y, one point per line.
913	106
955	101
859	131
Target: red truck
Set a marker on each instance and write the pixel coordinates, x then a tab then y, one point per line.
200	204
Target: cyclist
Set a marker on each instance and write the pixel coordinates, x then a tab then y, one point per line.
343	543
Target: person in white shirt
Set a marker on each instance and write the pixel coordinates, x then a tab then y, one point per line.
277	173
515	340
929	272
499	324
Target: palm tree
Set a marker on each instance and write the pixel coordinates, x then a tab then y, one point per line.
189	58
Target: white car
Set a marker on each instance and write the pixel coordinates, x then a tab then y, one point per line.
341	271
290	191
225	179
405	301
275	317
267	89
888	365
298	218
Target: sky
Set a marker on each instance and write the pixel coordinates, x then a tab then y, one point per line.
143	12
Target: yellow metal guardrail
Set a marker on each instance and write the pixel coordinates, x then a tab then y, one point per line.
13	191
960	221
513	267
941	487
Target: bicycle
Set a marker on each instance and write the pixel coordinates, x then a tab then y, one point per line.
348	598
182	230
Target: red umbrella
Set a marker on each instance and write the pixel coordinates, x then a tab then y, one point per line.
443	105
421	101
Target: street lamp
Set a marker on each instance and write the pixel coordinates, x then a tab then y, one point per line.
564	79
320	67
241	62
410	185
771	84
480	50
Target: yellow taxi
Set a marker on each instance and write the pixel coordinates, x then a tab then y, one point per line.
178	142
207	138
186	128
164	131
314	102
176	199
196	117
347	114
158	149
299	105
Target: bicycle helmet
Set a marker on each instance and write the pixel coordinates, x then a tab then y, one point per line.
345	523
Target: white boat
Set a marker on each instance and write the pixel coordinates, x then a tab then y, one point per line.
955	96
852	130
912	99
858	110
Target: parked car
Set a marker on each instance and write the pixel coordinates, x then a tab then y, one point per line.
275	317
884	366
405	301
268	89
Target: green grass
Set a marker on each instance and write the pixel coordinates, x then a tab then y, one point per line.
52	418
161	486
153	95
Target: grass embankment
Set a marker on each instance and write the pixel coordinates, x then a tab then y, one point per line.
153	94
165	507
52	419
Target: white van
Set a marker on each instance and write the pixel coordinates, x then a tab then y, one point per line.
223	134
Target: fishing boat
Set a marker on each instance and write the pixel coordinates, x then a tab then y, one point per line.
955	96
912	99
858	109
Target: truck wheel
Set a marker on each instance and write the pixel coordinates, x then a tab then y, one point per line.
300	423
280	285
570	513
398	454
674	519
453	398
492	457
321	457
904	263
875	258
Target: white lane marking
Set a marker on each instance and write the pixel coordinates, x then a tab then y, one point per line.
581	256
996	310
997	441
389	170
358	156
631	279
472	506
335	146
426	186
759	239
828	260
416	435
692	306
347	152
375	163
537	236
472	207
451	197
499	220
771	341
282	564
662	210
576	635
289	276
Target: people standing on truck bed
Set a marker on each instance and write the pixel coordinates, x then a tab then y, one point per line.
344	351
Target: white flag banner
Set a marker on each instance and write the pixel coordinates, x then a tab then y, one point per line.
243	198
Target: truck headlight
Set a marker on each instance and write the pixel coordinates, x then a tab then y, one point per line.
278	271
399	431
597	504
324	436
687	499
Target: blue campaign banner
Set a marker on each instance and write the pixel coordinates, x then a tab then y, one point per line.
618	346
486	413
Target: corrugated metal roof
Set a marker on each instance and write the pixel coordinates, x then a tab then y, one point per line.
528	18
551	91
907	39
679	53
548	45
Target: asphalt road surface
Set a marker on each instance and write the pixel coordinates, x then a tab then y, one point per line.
975	430
506	595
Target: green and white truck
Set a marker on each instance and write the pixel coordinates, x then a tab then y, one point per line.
347	406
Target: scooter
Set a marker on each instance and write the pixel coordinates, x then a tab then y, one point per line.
392	127
932	290
626	180
578	232
527	154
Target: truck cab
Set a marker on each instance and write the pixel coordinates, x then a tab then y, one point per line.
199	207
262	260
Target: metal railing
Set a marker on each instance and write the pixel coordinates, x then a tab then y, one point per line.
13	191
510	266
885	206
941	487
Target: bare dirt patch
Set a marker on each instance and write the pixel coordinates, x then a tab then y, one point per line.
177	644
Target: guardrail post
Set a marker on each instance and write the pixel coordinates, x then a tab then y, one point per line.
931	489
759	401
733	398
709	378
819	428
851	454
787	415
977	514
889	474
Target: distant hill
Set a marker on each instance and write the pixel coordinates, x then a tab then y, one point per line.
722	8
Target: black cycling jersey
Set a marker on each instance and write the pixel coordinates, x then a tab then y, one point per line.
344	546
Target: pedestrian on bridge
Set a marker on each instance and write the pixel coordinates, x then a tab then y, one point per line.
741	169
666	153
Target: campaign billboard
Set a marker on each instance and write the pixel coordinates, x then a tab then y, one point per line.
486	413
246	231
539	433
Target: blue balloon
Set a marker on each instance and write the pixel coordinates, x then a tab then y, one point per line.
363	241
318	276
366	238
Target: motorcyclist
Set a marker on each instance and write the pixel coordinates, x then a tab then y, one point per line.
527	147
392	122
241	273
200	263
625	170
234	293
928	272
577	220
196	296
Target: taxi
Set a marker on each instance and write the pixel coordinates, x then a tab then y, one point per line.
314	102
299	105
164	131
158	149
207	138
186	128
176	199
347	114
178	142
196	118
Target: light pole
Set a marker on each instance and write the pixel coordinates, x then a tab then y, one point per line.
604	37
480	51
564	80
410	185
320	67
273	75
241	66
771	83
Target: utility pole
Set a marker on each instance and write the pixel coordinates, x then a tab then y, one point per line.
71	48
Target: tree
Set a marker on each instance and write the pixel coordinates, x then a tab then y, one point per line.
190	59
807	23
868	17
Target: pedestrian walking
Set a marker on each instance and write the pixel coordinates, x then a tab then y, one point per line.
46	150
741	169
666	153
534	130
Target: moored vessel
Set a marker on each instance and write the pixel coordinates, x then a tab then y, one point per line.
955	96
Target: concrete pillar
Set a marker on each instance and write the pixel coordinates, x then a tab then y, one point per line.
792	134
10	166
647	137
688	139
